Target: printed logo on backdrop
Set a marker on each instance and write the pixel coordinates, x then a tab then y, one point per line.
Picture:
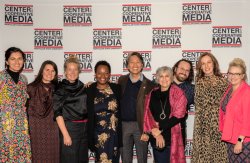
113	78
146	55
91	157
136	14
227	36
193	55
149	152
107	38
85	59
28	63
188	148
166	37
196	13
18	14
46	38
77	15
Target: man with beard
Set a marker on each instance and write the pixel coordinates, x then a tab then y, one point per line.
183	77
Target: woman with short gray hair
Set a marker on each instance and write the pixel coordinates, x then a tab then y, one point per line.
164	109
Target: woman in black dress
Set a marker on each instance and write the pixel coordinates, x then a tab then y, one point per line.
70	112
104	116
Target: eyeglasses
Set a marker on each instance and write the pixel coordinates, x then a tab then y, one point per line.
234	74
184	70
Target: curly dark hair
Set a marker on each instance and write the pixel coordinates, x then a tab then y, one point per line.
191	73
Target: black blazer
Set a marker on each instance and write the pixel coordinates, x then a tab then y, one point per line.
91	94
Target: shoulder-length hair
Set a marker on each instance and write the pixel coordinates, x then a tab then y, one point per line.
39	77
216	69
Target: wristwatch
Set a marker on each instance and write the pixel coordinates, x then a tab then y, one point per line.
240	140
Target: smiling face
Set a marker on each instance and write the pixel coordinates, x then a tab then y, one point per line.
15	61
207	65
235	75
48	73
182	71
102	75
164	80
71	72
135	65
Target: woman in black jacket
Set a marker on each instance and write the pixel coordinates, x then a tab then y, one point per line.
104	116
70	112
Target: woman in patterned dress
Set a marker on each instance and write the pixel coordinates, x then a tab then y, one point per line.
14	135
44	133
235	112
104	116
209	88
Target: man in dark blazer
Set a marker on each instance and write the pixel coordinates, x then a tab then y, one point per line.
135	86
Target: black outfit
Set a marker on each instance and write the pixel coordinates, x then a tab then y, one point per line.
92	121
70	102
158	97
14	75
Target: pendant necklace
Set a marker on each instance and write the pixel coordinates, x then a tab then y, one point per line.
163	115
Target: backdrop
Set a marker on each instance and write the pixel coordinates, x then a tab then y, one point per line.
162	31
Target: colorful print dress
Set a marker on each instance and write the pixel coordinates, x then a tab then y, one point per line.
15	140
106	137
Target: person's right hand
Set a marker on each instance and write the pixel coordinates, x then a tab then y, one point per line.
67	140
86	85
144	137
160	142
155	132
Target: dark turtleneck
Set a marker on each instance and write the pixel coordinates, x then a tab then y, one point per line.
14	75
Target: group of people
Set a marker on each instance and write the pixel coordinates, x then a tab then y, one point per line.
51	121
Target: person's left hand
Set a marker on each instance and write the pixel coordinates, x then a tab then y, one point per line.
155	132
238	148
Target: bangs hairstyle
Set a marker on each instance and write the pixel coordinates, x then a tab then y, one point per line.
161	70
216	69
237	62
72	59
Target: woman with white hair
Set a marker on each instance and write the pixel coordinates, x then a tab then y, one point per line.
165	109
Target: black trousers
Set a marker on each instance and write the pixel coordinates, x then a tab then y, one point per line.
78	151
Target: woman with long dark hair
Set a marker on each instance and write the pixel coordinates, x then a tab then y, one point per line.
43	129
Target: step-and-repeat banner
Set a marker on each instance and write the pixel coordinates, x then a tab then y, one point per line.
162	31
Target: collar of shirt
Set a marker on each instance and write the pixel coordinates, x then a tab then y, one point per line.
134	81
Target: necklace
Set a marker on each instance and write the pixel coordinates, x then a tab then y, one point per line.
163	115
